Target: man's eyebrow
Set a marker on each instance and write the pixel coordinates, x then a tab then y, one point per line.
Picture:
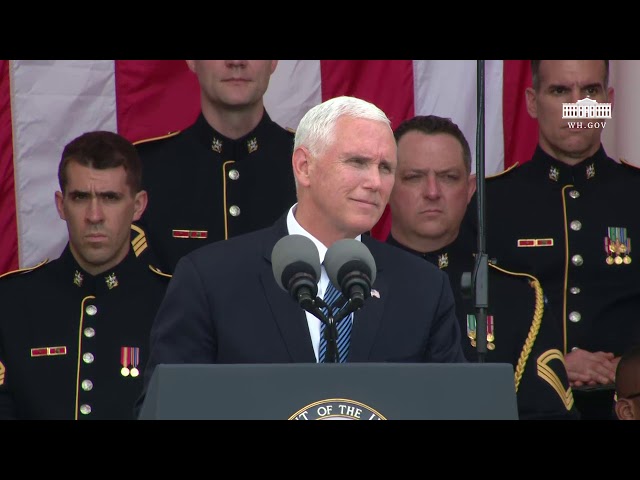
106	193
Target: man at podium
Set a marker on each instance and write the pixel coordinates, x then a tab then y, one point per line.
243	301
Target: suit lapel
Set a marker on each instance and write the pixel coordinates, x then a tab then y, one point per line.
289	316
367	320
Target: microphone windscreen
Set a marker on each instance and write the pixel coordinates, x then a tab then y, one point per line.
350	253
294	254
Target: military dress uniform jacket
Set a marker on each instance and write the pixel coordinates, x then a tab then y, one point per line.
575	229
73	346
520	331
204	187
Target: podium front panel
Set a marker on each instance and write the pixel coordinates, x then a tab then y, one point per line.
357	391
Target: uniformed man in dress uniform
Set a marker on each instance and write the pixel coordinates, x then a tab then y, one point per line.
432	191
570	217
74	331
229	173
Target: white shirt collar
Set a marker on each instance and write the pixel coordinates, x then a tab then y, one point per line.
293	227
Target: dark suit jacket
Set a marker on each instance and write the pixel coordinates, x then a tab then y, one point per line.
223	305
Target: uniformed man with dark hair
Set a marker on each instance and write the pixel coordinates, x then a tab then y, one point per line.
74	331
229	173
433	188
569	216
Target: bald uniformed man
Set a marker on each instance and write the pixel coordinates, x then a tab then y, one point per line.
227	174
569	216
74	331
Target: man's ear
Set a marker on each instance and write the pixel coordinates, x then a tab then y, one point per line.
611	93
301	163
59	198
532	108
471	187
624	409
140	203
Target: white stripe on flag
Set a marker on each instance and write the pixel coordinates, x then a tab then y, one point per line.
448	88
53	102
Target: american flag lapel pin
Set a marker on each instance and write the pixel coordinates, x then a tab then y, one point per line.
375	293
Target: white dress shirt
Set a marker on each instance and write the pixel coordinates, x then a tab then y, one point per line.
314	323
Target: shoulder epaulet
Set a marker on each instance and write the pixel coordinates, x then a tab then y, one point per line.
152	139
24	270
499	174
157	271
290	130
625	162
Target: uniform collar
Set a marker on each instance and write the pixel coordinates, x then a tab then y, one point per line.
228	148
593	168
439	258
110	280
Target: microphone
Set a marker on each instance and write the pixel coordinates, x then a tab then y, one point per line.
296	267
351	267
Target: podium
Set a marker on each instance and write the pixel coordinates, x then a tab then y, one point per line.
350	391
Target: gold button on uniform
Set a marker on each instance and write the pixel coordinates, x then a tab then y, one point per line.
234	174
575	317
574	194
87	385
577	260
89	332
91	309
575	290
234	210
87	357
85	409
576	225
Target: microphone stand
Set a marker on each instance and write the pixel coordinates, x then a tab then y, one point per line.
481	267
331	329
331	321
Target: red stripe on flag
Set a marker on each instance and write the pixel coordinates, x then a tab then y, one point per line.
155	97
386	83
520	130
8	221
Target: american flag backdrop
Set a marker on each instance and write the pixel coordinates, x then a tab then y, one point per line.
44	104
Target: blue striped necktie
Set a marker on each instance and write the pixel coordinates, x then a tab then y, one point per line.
344	327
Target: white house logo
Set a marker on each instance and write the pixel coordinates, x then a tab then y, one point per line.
586	108
337	409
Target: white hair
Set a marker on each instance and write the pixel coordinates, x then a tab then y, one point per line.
316	129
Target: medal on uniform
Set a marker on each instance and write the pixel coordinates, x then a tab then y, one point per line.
129	357
617	246
472	334
135	360
490	337
471	328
